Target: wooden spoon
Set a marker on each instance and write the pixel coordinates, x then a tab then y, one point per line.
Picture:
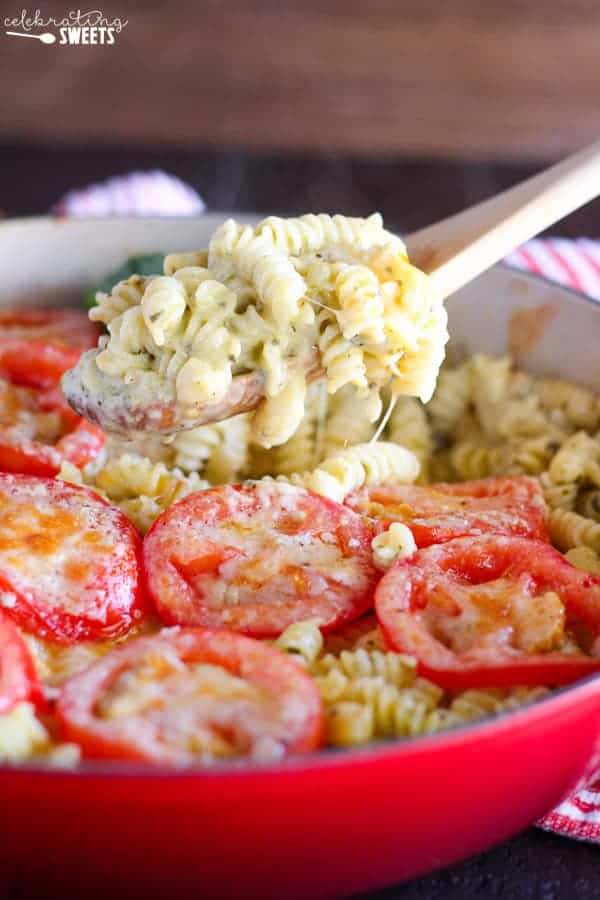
458	249
452	252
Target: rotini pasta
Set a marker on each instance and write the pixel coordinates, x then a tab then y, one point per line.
142	489
531	456
489	388
191	450
303	639
558	496
351	635
393	712
361	304
584	558
588	504
476	460
343	361
408	426
163	307
277	417
175	261
277	283
580	406
303	449
393	668
372	463
578	459
258	299
346	422
569	530
122	297
393	544
228	461
451	399
310	233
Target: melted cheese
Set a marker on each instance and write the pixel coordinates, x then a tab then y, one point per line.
274	550
53	548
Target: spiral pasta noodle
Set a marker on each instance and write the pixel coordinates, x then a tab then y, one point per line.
347	422
123	296
191	450
584	558
394	668
393	544
163	306
342	360
392	711
588	504
373	463
175	261
408	426
580	406
558	496
569	530
361	304
141	488
302	639
451	399
472	460
577	459
309	233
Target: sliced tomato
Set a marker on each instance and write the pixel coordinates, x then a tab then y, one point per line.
81	445
258	557
191	695
442	512
492	611
18	679
38	345
38	431
69	562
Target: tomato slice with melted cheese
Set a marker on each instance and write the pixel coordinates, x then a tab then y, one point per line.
492	611
256	558
18	680
69	562
189	696
442	512
38	431
38	345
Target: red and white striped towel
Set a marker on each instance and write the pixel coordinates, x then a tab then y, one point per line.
573	263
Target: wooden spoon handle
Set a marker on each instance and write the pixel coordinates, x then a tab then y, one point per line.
457	249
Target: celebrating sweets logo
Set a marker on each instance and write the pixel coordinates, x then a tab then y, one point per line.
75	28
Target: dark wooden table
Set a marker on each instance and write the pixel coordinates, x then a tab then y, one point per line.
535	865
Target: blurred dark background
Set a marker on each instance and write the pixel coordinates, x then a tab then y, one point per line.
414	107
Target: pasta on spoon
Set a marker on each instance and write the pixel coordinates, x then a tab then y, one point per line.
248	323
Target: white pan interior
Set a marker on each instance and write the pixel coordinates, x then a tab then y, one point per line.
52	261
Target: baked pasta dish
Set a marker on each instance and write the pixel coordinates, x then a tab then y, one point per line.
362	548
